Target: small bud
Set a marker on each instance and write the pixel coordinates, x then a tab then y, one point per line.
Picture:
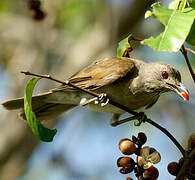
173	168
127	147
142	137
151	173
134	139
125	161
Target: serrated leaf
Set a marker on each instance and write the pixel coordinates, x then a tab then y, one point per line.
177	27
37	128
122	46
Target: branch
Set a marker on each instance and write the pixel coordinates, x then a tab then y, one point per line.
116	105
187	163
190	50
184	52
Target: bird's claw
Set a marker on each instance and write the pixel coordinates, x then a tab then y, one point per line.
85	101
141	117
102	100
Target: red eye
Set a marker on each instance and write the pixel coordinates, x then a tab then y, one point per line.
165	75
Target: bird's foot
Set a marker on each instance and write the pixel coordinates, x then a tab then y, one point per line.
102	100
115	120
141	117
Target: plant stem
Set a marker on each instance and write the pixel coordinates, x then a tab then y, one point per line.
184	52
190	50
114	104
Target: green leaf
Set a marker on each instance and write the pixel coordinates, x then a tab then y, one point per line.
122	46
191	36
192	3
174	4
177	27
148	14
38	129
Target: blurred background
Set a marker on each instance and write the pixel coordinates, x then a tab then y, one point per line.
68	35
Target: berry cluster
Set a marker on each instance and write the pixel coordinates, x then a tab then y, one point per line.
146	157
35	7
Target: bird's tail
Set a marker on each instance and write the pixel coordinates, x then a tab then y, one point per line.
43	109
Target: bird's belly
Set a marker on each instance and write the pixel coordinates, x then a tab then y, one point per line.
107	108
126	98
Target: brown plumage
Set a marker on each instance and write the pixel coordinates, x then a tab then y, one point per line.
133	83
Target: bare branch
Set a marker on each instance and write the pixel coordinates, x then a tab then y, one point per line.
184	52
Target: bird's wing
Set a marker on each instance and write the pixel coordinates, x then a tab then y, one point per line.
101	73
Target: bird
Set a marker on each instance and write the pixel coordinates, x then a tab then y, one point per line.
130	82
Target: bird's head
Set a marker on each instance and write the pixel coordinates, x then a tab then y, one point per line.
161	77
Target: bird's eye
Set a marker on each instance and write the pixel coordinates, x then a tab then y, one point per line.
165	75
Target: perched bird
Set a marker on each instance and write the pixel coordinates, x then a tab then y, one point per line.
130	82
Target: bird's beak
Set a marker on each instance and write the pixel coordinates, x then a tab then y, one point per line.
182	91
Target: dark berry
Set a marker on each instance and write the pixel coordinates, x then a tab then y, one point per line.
126	169
173	168
125	161
142	138
151	173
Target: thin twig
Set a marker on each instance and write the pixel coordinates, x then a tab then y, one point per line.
190	50
114	104
169	135
184	52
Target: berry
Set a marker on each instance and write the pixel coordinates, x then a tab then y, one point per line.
125	161
128	178
126	170
151	173
127	147
142	137
173	168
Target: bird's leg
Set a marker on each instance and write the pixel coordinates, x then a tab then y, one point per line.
102	99
141	117
85	101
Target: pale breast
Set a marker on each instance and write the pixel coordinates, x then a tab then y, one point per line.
121	93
